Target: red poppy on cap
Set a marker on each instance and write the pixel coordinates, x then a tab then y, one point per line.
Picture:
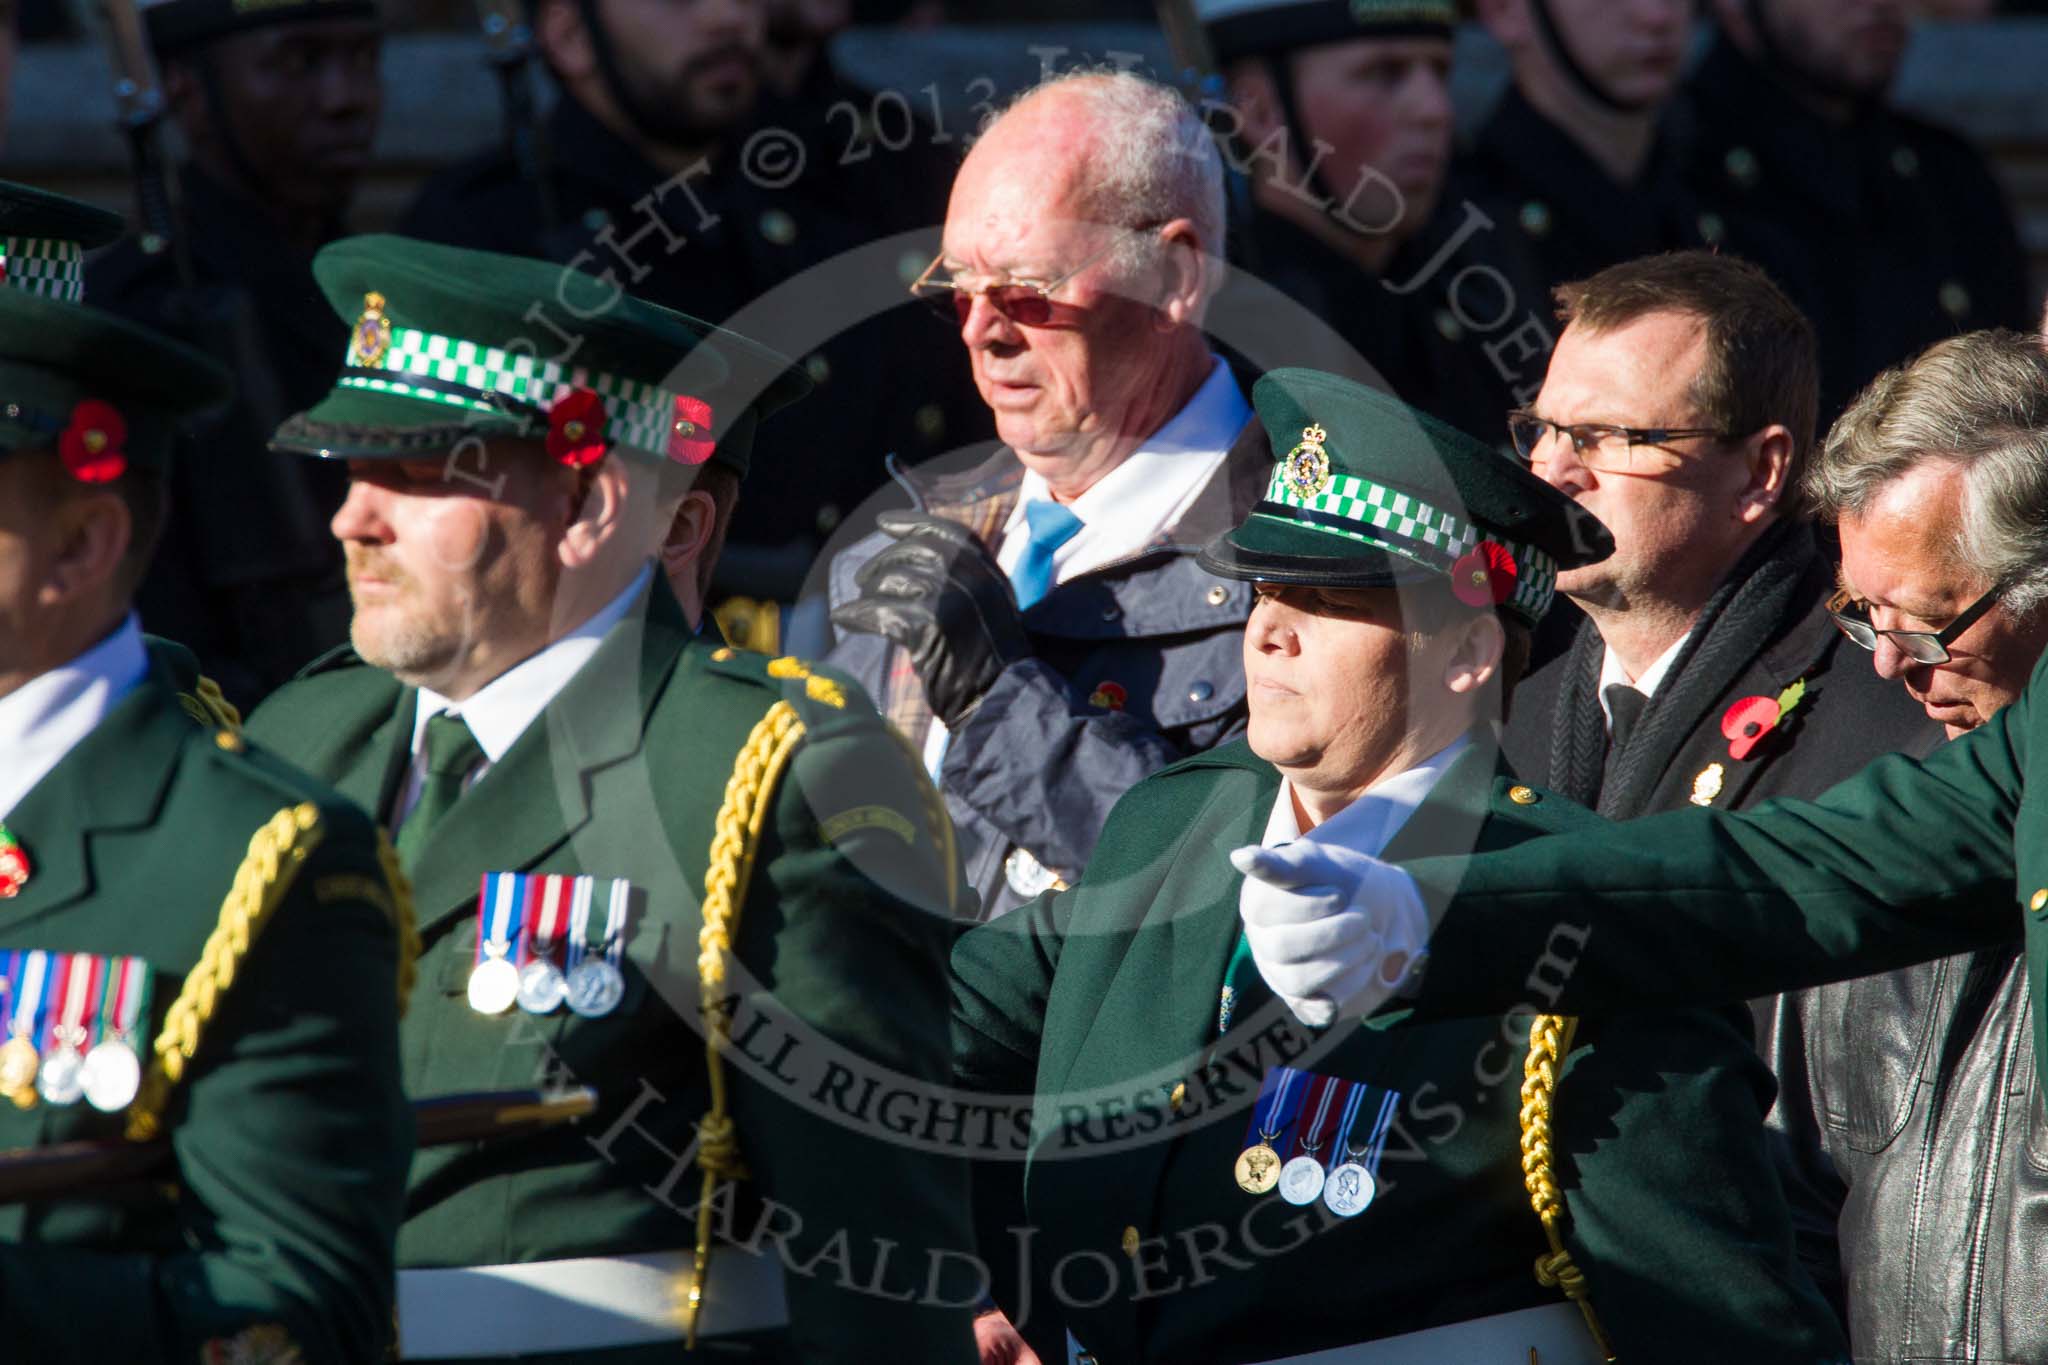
576	428
93	446
689	439
1485	577
1747	722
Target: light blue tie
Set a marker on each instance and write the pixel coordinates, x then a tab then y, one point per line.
1051	527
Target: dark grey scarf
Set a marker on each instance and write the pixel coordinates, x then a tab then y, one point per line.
1739	620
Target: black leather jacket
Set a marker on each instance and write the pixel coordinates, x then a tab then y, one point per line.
1914	1152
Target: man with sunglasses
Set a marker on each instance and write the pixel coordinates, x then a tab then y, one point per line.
1037	626
1679	408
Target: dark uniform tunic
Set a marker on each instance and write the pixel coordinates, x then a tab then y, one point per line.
1456	325
248	575
1888	232
1099	1006
723	241
1569	216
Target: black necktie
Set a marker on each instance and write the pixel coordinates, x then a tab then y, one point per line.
1626	705
452	753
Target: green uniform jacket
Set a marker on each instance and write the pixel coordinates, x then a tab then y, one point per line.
841	979
290	1129
1906	861
1100	1000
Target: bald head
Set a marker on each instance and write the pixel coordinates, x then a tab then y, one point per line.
1105	193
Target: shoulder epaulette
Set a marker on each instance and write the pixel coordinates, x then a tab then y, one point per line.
340	657
823	687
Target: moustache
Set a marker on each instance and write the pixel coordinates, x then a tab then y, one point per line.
369	564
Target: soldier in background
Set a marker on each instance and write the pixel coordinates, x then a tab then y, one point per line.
1888	232
648	178
279	106
1577	159
1360	231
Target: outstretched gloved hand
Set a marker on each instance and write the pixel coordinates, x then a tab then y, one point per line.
1333	931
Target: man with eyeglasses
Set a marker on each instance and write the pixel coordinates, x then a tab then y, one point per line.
1679	408
1916	1167
1037	626
1910	1105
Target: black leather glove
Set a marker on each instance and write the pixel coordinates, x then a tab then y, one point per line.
940	594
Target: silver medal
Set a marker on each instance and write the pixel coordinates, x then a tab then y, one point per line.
542	987
61	1080
595	987
493	986
1301	1180
113	1074
1028	877
1348	1190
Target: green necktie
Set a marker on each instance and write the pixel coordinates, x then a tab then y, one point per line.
452	754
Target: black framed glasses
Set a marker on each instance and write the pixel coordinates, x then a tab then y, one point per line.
1921	646
1604	447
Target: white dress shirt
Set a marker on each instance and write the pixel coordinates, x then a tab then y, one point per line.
1611	672
45	718
1130	507
499	711
1369	823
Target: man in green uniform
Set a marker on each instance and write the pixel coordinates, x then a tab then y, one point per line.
199	946
621	835
1209	1180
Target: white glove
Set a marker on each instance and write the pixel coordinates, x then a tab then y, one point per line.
1333	931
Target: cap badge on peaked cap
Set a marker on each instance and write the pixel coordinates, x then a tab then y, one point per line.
370	341
1307	470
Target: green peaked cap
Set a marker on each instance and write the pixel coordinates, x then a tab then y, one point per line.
44	238
1369	492
91	386
446	344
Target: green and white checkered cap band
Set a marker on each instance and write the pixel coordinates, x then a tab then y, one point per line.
1403	524
49	266
464	375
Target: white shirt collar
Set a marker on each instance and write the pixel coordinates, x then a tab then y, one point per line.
499	711
45	718
1369	823
1130	507
1611	672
